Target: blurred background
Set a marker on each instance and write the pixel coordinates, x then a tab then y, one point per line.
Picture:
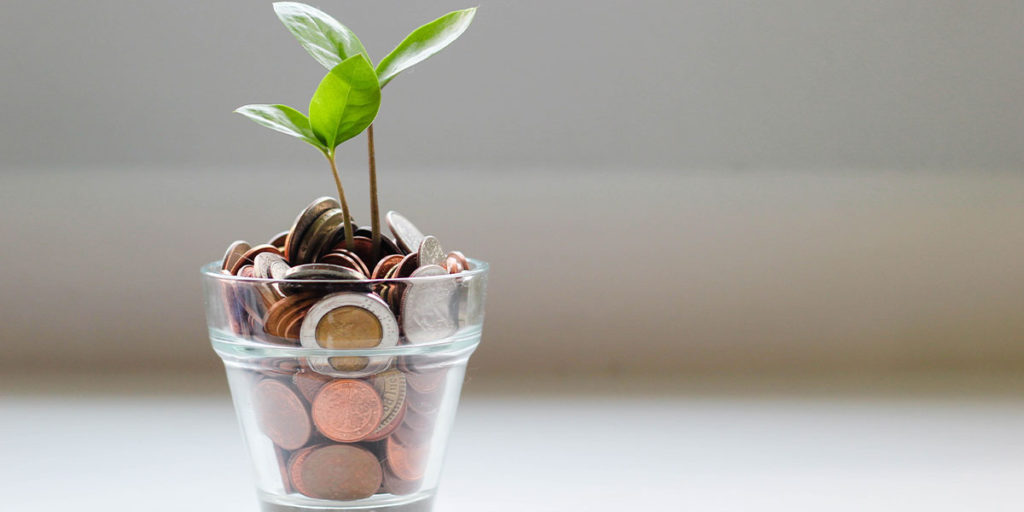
793	197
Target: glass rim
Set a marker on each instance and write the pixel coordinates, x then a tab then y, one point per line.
212	270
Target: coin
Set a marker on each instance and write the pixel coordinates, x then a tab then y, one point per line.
390	385
363	248
424	403
245	271
364	231
336	472
416	425
426	381
408	462
346	259
406	233
233	254
347	410
302	223
250	254
385	264
284	310
408	265
321	271
278	240
281	415
429	311
394	485
315	241
456	262
309	383
315	272
264	265
430	251
349	320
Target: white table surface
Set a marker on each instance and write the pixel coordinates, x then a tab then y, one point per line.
674	449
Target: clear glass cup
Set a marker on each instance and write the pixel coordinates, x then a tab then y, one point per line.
330	427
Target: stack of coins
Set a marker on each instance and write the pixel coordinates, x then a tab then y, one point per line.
346	428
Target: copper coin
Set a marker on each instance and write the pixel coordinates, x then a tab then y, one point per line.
233	254
302	223
245	271
278	240
390	385
291	332
309	383
459	258
408	265
385	264
282	465
347	410
363	248
281	415
394	485
247	258
345	259
416	421
281	309
336	472
412	437
408	462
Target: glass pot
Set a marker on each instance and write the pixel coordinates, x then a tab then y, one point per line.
345	390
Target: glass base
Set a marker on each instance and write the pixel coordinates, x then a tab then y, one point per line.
419	502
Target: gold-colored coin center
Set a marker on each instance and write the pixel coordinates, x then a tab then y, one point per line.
349	327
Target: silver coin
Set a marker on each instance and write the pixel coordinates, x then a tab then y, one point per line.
368	302
408	237
264	262
430	252
234	252
429	308
303	221
320	271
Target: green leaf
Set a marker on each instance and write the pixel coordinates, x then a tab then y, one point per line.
327	40
345	102
424	42
284	119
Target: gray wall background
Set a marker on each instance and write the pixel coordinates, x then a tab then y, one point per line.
661	186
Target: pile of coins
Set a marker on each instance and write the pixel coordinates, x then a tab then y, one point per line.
297	311
348	439
345	427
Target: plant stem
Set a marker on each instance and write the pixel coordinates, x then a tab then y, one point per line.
374	209
349	243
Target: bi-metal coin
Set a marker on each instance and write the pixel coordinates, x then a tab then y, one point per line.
351	321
